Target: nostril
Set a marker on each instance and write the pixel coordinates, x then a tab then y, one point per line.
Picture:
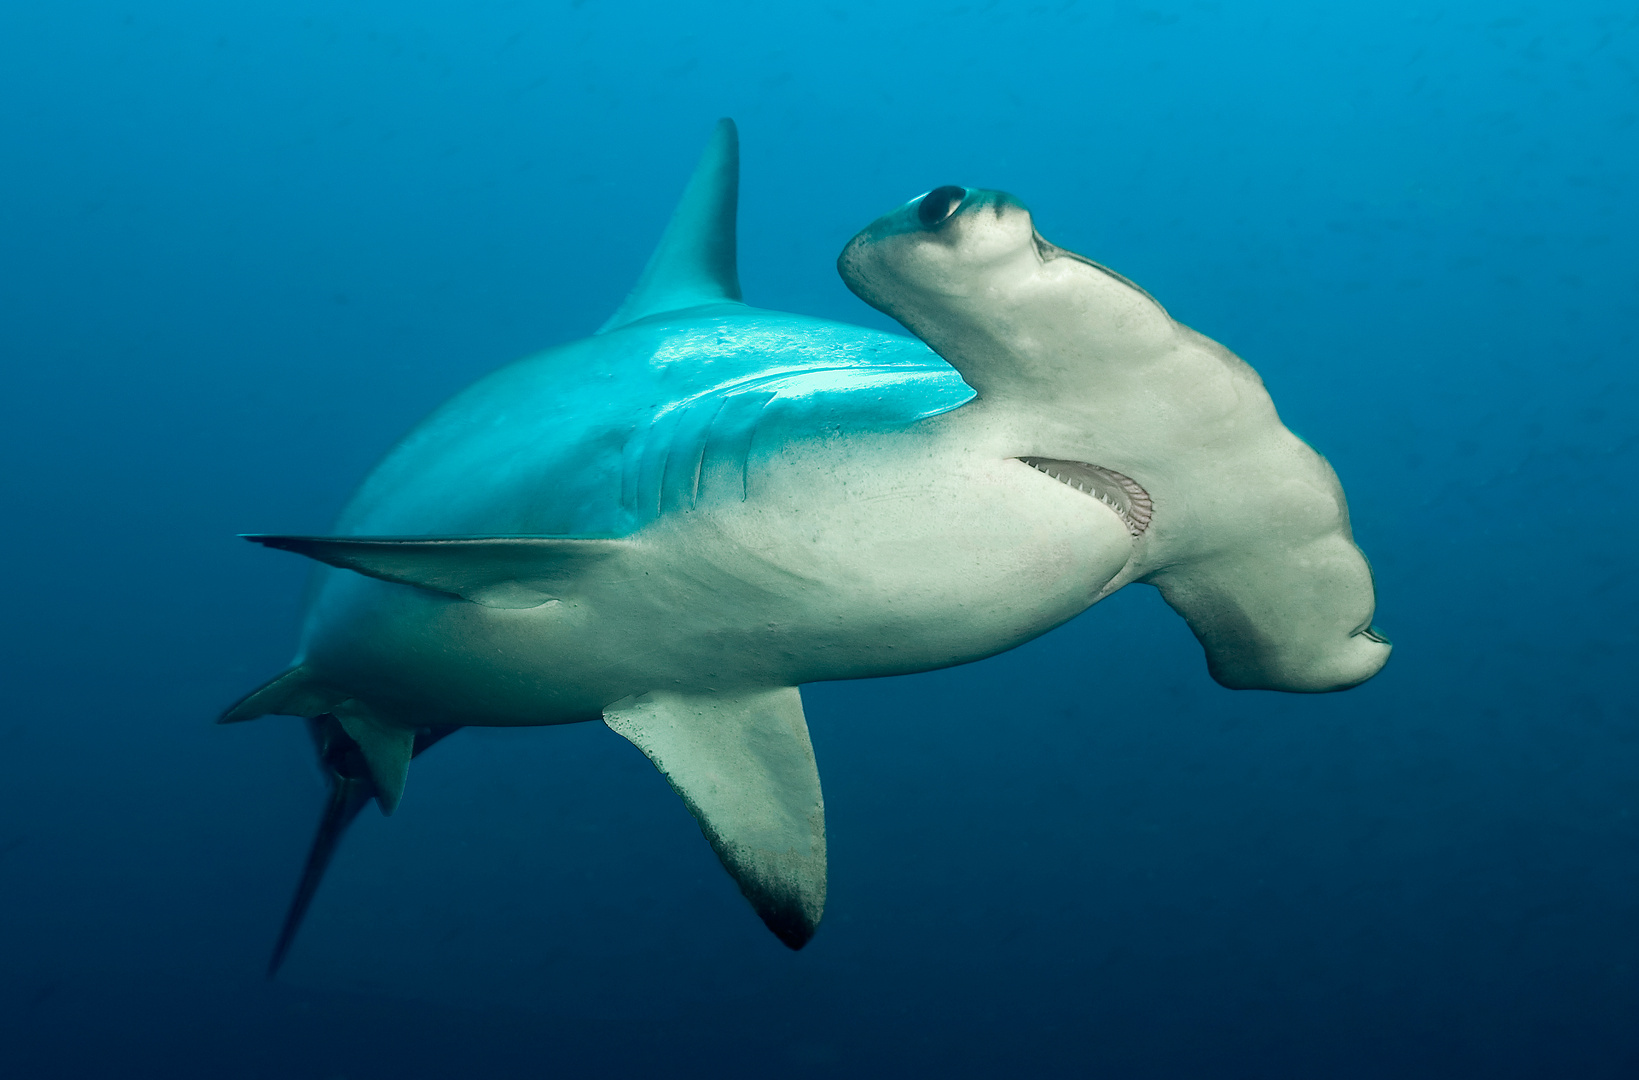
939	204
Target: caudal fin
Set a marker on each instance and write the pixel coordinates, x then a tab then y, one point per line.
351	788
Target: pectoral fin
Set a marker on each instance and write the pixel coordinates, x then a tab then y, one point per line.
745	768
496	571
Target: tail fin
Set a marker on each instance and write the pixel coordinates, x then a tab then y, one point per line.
351	788
695	262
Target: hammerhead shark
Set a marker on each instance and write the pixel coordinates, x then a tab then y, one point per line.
673	524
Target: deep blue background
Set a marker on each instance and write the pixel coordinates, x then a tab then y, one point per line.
243	247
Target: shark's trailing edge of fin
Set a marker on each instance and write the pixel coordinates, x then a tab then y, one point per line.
744	766
293	693
694	263
350	790
503	572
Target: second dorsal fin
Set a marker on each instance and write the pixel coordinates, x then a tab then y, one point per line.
694	263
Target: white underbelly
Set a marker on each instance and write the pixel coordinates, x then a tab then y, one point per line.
841	558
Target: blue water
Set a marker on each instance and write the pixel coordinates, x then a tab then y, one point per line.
244	247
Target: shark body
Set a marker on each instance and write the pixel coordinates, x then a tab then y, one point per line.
671	525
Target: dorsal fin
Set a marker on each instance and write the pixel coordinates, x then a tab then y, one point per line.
695	261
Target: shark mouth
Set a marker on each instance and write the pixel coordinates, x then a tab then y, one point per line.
1120	493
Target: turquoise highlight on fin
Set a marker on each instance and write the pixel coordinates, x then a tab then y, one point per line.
695	262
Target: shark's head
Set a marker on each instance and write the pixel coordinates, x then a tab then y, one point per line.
945	248
1083	376
966	271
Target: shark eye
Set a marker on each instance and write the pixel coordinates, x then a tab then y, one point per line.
939	204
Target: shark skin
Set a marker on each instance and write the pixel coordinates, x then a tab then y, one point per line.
673	524
1246	528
